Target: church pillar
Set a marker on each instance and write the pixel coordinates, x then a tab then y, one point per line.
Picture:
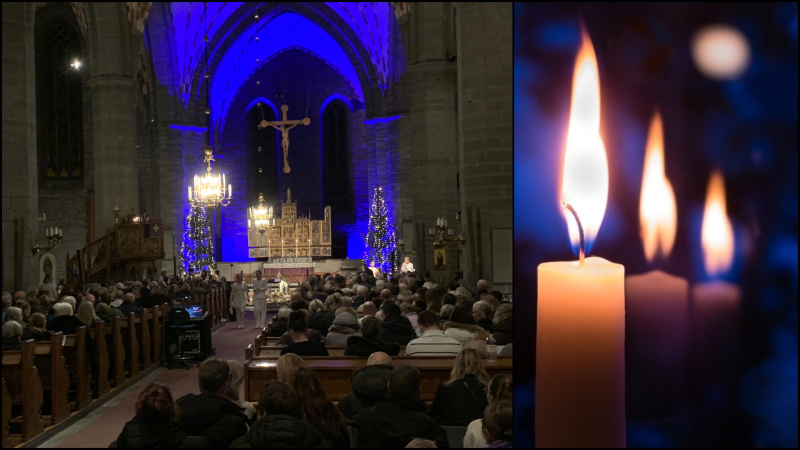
113	114
432	89
20	173
485	105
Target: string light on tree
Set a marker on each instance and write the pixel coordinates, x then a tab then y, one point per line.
198	248
380	241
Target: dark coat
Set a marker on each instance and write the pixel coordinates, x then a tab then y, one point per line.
393	423
277	328
281	431
361	346
321	320
65	324
217	418
136	434
36	334
128	308
306	348
486	324
459	403
369	387
397	329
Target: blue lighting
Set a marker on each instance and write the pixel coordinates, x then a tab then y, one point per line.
381	120
282	33
370	21
189	128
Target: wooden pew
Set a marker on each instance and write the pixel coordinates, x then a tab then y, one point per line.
128	326
102	382
6	441
144	336
24	388
158	314
116	351
80	371
334	373
50	363
274	351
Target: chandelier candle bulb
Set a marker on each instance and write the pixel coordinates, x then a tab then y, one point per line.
580	336
656	303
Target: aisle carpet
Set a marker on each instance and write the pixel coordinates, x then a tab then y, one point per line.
103	425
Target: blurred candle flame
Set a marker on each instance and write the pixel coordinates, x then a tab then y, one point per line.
658	215
717	233
584	183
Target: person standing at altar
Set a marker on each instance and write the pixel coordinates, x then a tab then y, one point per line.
259	299
407	266
283	286
239	298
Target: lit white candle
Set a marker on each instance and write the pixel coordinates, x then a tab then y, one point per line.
656	303
580	344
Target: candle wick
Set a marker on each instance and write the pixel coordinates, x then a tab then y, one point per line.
580	230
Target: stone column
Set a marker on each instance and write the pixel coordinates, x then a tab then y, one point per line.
113	114
485	106
432	89
20	172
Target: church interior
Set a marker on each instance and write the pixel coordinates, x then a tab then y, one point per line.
150	141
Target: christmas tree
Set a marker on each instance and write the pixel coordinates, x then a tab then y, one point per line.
198	248
380	235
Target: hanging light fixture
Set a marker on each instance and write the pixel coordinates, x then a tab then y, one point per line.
209	190
260	216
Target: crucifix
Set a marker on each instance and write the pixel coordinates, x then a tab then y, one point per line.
284	126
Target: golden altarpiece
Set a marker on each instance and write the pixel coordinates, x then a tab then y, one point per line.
292	236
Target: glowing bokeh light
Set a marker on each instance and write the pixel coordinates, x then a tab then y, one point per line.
720	52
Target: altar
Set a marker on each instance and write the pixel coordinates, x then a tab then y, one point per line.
293	239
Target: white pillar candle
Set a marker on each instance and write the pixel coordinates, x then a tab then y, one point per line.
580	339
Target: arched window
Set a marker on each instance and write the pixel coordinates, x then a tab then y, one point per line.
262	157
59	95
336	171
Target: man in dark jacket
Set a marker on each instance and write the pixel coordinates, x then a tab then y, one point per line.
211	413
279	424
64	321
400	417
369	342
129	305
369	386
395	328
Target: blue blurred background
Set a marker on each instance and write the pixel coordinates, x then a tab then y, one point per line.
746	127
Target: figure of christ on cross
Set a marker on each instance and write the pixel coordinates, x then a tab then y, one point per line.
284	126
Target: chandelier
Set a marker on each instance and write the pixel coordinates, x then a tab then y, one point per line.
442	234
210	190
261	218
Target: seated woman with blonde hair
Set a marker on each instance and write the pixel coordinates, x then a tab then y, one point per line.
462	399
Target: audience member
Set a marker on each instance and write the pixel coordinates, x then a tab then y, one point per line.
503	324
154	425
279	423
211	414
369	385
129	305
318	410
280	324
498	425
345	325
37	331
395	328
481	314
235	382
301	345
12	332
64	321
461	399
313	335
400	417
421	443
500	388
369	342
287	364
461	326
433	341
320	319
48	287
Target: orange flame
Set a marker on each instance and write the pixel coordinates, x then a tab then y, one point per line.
584	183
717	233
658	215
